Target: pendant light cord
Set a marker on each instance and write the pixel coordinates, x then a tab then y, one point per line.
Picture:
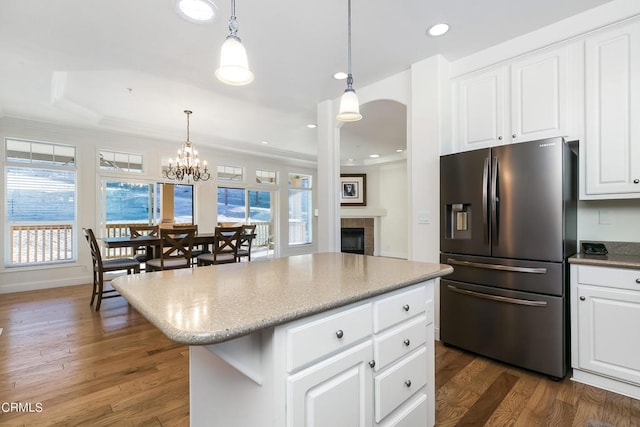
349	76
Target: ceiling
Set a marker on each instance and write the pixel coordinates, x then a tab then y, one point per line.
134	66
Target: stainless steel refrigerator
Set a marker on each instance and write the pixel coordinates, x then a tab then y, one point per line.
508	225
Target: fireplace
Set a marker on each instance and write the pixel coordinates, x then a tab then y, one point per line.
366	224
352	240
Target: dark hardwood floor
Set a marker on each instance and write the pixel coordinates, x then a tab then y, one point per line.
71	366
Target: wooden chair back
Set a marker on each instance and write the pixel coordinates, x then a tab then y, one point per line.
144	230
100	267
176	246
225	248
246	239
227	240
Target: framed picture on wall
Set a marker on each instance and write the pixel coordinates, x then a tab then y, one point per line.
353	189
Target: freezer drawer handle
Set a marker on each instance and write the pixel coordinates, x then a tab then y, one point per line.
498	298
498	267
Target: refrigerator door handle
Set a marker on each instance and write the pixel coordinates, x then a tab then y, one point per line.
494	200
498	267
485	203
497	297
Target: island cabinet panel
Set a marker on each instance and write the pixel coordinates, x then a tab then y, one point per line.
335	392
370	363
605	337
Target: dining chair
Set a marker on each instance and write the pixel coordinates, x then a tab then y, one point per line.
225	247
197	249
246	239
176	246
143	253
100	267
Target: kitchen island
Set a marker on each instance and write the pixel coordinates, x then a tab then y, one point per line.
319	339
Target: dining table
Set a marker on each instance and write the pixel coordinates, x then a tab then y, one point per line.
204	239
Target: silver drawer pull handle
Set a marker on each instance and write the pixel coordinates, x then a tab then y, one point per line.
339	334
637	280
406	307
407	342
407	383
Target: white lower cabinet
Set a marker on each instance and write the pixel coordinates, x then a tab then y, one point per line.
380	381
333	393
367	364
605	334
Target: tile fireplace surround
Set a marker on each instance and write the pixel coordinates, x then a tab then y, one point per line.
367	224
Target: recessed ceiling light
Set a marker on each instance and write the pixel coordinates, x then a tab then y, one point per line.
264	142
399	150
374	156
438	30
340	75
198	11
312	126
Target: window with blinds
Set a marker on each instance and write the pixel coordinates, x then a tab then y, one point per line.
40	202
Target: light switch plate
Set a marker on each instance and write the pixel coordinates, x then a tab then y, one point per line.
424	217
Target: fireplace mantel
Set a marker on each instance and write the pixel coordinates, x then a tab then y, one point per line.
362	212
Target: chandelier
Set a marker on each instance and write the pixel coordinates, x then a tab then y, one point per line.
187	163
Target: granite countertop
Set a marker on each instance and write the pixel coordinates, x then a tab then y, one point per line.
620	255
208	305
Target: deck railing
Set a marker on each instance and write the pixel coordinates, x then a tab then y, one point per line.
40	243
263	238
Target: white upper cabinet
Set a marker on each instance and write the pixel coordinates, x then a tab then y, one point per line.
611	147
539	95
523	100
479	109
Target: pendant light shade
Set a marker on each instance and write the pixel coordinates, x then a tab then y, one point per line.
234	65
349	105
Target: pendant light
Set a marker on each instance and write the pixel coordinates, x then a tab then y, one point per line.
234	66
349	105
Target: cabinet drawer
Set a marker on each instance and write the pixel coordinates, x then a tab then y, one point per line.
314	339
397	384
399	341
399	307
620	278
412	415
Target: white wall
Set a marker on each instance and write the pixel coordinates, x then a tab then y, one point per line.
88	143
386	191
609	220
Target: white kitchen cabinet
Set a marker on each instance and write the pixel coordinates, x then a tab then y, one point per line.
605	338
333	393
611	167
523	100
366	364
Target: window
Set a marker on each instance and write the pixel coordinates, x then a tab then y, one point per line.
41	202
239	205
231	204
300	209
230	173
266	177
177	203
120	162
128	203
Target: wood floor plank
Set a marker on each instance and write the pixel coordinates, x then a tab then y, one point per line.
484	407
114	368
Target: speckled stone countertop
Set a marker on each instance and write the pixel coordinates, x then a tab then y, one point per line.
208	305
620	255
